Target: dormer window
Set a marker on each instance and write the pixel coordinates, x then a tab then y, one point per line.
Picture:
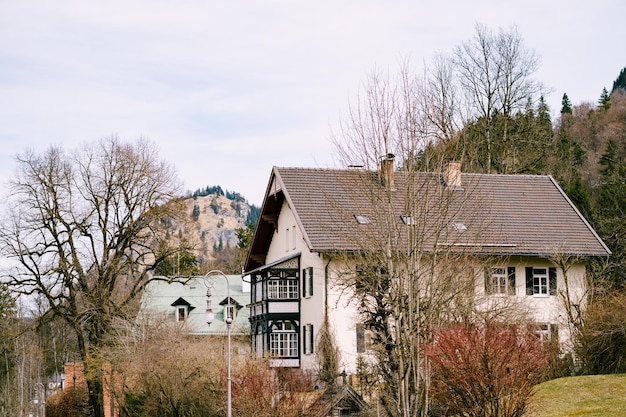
182	308
234	308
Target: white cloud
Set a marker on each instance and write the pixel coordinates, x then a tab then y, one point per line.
252	84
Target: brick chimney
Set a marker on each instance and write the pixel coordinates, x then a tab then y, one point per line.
386	171
452	175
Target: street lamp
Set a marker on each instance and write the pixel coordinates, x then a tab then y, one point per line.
209	317
40	404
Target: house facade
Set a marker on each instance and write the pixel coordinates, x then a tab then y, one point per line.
184	301
528	242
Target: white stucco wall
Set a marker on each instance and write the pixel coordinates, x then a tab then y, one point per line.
288	240
342	314
539	308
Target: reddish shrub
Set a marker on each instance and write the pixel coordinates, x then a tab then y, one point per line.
485	371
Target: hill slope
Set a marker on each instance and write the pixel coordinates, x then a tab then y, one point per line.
589	396
212	223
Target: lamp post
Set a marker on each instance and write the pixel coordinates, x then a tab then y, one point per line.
209	317
40	403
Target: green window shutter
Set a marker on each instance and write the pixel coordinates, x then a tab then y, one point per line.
307	282
529	280
554	333
552	280
488	285
511	279
307	339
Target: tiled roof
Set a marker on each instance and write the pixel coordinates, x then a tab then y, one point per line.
336	399
493	214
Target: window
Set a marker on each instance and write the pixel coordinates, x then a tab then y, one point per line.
307	339
283	340
500	280
290	238
279	288
547	332
540	282
182	308
232	313
181	313
307	282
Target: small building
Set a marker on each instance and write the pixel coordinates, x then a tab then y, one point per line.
338	400
184	301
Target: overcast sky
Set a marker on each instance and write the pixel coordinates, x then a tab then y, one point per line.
227	89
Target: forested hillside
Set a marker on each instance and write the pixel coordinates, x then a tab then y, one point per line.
584	149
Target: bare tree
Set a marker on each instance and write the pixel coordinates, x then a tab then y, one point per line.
407	277
82	230
494	71
442	101
159	369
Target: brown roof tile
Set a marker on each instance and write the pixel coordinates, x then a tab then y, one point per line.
504	214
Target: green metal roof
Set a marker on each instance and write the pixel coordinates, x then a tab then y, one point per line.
161	298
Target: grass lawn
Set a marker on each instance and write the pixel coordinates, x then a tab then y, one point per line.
594	395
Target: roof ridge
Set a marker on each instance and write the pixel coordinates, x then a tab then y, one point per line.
363	169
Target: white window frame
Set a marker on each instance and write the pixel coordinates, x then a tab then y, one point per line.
279	288
499	281
283	340
541	282
182	312
545	332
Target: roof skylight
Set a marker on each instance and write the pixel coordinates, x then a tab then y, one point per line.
362	219
461	227
408	220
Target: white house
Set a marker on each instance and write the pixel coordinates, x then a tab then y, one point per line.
521	224
184	301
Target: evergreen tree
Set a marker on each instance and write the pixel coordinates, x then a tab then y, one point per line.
611	211
620	82
579	194
608	159
605	100
195	213
542	107
182	264
566	105
544	123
